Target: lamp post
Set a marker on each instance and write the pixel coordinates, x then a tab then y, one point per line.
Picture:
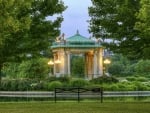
106	62
51	63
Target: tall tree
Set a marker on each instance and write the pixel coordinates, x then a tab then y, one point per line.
115	20
143	25
11	22
24	28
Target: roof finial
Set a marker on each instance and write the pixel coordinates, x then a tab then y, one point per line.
77	32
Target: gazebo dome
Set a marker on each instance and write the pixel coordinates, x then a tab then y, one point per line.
76	41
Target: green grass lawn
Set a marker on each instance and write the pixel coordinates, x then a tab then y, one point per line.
74	107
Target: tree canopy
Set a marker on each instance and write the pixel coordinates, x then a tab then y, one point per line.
120	21
143	26
25	29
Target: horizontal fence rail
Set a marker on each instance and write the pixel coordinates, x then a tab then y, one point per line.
126	93
51	94
31	94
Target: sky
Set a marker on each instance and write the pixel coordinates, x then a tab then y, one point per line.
75	18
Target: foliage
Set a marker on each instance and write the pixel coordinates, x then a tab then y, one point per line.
125	22
142	79
54	84
104	79
11	69
79	83
64	79
126	86
116	68
12	22
77	66
137	78
129	70
131	78
140	87
121	66
143	67
34	68
109	84
38	86
25	30
143	26
15	85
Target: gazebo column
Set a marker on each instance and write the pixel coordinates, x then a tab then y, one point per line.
86	66
90	66
95	66
55	58
56	66
68	63
100	62
65	63
62	62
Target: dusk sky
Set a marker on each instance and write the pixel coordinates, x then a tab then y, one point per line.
75	17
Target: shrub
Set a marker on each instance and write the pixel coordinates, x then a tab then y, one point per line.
131	87
54	84
38	86
129	70
5	85
140	86
34	68
122	87
13	85
143	67
142	79
116	68
23	85
137	78
131	79
95	86
104	79
113	87
61	79
79	83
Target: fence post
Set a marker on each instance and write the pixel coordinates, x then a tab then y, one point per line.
101	90
55	95
78	95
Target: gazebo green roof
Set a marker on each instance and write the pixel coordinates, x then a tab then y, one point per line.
76	41
77	38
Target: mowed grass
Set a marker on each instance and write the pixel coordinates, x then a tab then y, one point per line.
74	107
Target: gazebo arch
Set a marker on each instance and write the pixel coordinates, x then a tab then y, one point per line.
92	50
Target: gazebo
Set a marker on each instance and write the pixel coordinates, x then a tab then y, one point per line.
77	44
